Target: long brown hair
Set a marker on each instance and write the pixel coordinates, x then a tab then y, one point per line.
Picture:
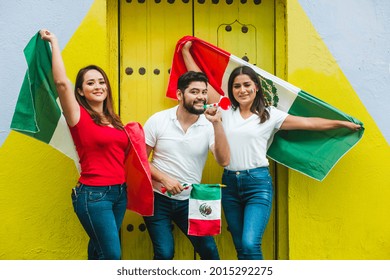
259	104
108	108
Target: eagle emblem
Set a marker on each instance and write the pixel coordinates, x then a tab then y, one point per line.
205	209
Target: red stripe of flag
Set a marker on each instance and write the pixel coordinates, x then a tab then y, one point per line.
200	50
204	227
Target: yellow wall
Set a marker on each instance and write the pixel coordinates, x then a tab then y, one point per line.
36	214
346	215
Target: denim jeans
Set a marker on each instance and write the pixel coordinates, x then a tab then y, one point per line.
247	203
159	227
101	211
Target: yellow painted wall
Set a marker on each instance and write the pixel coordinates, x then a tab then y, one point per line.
36	214
346	215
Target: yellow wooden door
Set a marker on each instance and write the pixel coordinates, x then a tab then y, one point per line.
149	31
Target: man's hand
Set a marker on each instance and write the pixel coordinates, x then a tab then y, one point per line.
172	185
213	115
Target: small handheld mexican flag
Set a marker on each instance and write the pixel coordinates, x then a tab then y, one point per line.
204	213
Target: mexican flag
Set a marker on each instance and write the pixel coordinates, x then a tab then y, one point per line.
204	213
38	112
313	153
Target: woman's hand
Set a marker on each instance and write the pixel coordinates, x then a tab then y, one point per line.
187	46
352	126
47	35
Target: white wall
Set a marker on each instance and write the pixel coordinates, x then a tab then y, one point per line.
19	21
357	33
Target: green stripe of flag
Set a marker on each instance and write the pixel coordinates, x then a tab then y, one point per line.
37	113
313	153
205	192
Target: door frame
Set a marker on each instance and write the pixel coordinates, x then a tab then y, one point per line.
281	228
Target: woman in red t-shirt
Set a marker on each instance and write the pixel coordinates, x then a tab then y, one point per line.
100	197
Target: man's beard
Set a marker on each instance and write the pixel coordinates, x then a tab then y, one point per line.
191	109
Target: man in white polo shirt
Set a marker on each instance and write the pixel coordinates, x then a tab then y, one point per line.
180	139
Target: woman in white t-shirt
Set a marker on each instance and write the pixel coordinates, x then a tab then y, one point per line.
250	126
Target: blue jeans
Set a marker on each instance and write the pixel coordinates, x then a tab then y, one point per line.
247	203
101	211
159	227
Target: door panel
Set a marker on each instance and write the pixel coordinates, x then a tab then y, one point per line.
148	35
210	21
245	30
